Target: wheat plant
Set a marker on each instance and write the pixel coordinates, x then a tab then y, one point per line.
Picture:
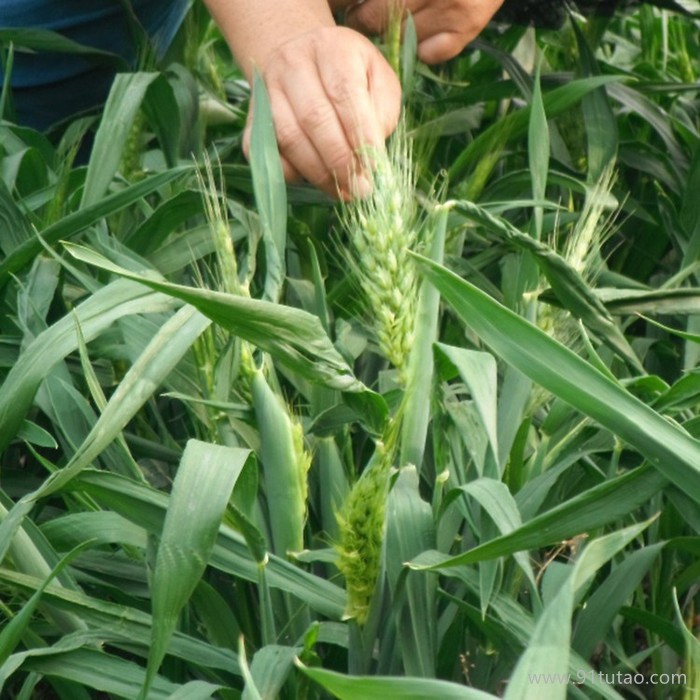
458	460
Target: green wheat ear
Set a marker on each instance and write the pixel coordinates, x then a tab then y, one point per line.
383	228
361	525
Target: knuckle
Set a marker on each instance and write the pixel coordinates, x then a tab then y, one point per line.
339	160
288	136
316	115
338	90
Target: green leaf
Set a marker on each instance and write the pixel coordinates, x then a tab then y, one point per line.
538	152
13	630
410	530
599	119
123	104
74	223
548	651
45	40
594	508
419	381
157	361
285	477
36	435
16	227
99	671
555	102
380	688
201	491
570	288
120	625
270	669
250	690
596	618
269	187
499	505
287	333
95	314
524	346
146	507
478	372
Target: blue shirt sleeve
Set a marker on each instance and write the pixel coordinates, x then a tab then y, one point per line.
105	25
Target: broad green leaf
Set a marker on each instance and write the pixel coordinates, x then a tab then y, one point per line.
538	152
269	188
478	371
251	691
69	530
570	288
658	625
598	506
13	630
692	645
36	435
410	530
196	690
600	122
287	333
283	467
419	381
380	688
121	625
165	220
74	223
666	445
38	39
332	481
269	670
555	102
162	111
604	604
498	504
547	653
201	491
99	671
215	616
146	507
654	115
654	301
145	376
409	50
16	228
519	625
123	103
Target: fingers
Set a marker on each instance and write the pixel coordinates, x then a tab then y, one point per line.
443	35
443	27
333	98
385	96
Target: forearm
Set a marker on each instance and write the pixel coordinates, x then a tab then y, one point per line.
254	29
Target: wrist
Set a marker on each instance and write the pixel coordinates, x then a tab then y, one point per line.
255	29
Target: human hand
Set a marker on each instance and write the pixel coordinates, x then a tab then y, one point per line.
332	96
443	27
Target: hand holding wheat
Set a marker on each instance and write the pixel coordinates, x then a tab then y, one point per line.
331	91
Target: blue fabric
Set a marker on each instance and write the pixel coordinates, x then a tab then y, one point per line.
48	87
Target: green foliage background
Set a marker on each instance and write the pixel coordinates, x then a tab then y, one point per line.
191	387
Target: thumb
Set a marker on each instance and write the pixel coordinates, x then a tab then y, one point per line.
440	47
368	16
